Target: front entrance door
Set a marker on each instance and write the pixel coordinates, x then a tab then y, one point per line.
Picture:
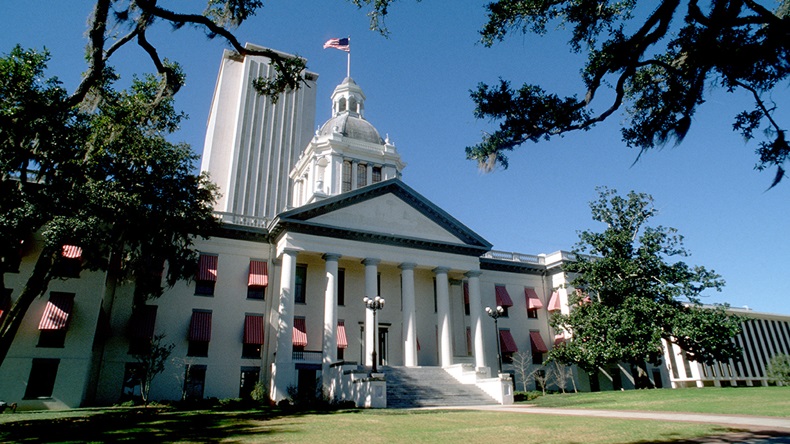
383	339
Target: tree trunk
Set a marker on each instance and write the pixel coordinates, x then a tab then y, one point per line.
36	285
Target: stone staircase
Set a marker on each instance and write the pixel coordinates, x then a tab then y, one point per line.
409	387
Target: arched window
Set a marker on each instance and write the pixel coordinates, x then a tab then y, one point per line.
346	185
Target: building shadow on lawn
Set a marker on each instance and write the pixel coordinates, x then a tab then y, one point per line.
149	425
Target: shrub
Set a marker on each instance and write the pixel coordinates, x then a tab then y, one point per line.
779	369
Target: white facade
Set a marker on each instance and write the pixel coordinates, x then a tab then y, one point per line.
315	222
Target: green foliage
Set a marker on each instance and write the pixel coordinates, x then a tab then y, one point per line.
779	369
259	392
104	178
152	362
658	63
519	396
630	296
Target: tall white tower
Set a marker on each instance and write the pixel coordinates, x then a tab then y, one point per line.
346	153
251	143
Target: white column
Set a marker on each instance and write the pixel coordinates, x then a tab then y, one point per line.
371	291
476	317
283	362
409	316
354	166
329	354
443	314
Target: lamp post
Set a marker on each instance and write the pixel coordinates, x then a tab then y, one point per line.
496	314
374	305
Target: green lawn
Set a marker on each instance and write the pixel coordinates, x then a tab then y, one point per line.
760	401
370	426
387	426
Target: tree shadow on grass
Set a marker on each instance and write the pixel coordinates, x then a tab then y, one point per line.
149	425
731	436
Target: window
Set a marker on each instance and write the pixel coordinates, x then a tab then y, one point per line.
300	286
253	336
132	387
258	280
194	381
341	286
42	378
69	263
346	179
254	292
538	347
52	338
141	329
533	302
199	333
362	175
249	377
341	352
207	275
376	174
55	320
503	299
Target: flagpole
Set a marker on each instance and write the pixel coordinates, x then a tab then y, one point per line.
348	59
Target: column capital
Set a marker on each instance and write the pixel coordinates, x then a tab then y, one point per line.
473	273
290	252
331	257
407	266
441	270
371	261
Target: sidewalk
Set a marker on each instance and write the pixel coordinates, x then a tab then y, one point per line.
735	421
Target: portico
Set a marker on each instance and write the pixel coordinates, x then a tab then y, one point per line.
346	262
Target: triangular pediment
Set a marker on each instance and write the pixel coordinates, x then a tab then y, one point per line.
387	212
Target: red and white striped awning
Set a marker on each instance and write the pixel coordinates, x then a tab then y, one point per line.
533	301
207	268
300	333
503	297
342	340
554	301
259	274
57	311
143	322
559	339
200	326
71	252
507	342
253	329
538	346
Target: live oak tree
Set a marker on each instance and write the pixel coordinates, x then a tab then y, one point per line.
632	294
105	179
649	64
93	167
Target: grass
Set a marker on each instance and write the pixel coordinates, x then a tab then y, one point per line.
759	401
370	426
155	425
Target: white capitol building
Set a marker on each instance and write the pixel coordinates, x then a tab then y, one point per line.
315	221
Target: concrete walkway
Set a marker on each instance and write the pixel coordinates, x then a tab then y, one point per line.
766	423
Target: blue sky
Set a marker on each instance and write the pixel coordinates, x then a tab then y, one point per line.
417	83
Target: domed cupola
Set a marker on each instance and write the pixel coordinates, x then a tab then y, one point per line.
346	153
348	106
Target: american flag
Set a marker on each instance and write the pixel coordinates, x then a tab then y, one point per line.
341	44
